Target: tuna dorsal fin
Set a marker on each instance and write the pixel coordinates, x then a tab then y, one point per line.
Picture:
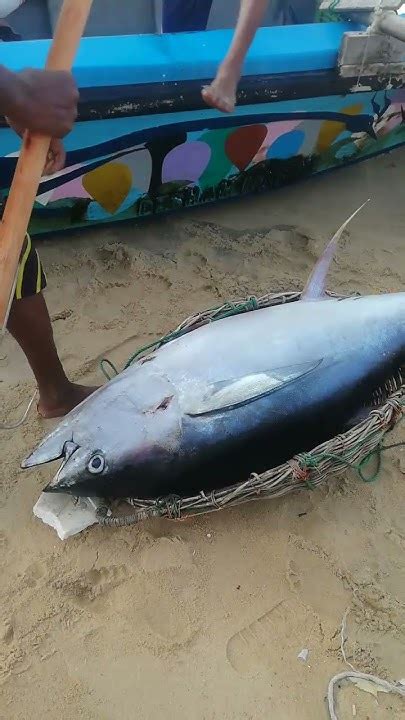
315	287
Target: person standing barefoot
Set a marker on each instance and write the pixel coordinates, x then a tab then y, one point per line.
44	102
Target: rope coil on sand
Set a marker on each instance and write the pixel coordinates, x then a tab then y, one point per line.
353	676
354	449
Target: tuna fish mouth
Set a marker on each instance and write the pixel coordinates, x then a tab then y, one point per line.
58	482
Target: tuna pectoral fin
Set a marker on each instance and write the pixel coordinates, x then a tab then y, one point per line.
229	394
316	285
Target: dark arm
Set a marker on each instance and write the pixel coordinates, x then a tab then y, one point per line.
42	101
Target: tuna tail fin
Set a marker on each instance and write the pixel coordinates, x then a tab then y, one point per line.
315	287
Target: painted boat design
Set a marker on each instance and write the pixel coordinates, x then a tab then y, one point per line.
145	143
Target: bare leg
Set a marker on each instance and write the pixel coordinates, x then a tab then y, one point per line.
30	325
221	94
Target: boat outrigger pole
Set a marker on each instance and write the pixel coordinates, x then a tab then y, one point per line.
389	23
13	228
379	49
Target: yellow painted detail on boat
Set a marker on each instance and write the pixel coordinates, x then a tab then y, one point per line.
109	185
353	109
331	129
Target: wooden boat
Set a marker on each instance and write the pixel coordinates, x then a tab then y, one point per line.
312	99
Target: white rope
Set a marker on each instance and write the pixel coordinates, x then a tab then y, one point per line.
343	639
18	423
369	31
352	676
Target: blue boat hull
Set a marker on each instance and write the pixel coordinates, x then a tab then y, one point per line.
146	144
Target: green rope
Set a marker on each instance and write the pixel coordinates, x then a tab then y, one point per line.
105	362
312	462
329	15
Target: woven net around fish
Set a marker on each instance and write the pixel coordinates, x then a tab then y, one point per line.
356	448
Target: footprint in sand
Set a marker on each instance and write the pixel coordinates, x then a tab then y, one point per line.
3	541
166	553
293	576
174	593
326	597
92	585
172	617
32	575
274	640
6	631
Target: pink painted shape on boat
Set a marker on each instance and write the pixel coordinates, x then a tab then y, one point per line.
274	131
393	122
72	189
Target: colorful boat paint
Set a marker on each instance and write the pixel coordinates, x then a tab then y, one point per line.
145	143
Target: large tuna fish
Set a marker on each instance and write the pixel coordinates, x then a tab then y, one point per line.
237	396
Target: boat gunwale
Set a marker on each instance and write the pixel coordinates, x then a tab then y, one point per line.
137	100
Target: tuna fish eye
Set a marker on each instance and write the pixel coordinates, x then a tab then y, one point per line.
96	464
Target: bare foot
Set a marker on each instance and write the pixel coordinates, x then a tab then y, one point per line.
221	94
57	406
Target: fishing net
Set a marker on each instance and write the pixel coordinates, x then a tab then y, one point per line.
359	448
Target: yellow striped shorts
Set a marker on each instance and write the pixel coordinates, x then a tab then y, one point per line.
31	278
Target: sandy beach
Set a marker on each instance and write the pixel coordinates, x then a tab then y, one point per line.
204	618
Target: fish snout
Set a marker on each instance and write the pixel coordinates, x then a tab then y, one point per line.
80	468
54	447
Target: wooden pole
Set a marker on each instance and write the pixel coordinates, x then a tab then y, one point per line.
13	228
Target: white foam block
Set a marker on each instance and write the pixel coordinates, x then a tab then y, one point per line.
66	515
